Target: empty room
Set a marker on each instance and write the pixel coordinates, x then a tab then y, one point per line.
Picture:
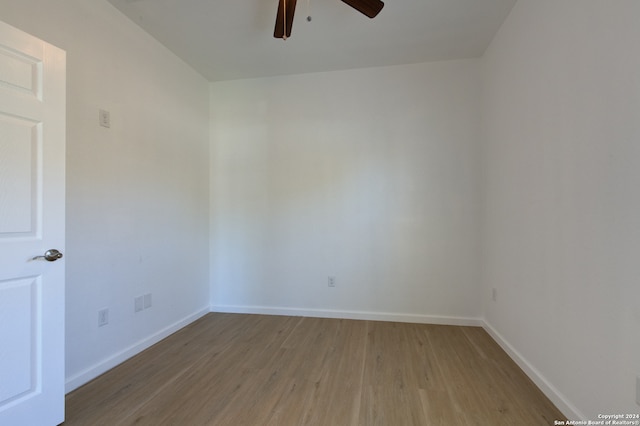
331	212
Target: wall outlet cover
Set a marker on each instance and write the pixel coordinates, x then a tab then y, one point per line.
103	317
104	118
147	301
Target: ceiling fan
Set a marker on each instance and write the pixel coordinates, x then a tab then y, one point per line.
287	8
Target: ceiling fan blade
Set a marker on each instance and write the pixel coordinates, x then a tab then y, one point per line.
281	20
368	7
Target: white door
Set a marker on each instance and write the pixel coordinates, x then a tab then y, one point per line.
32	153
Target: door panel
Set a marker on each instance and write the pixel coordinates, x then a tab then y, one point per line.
19	352
20	71
32	150
20	183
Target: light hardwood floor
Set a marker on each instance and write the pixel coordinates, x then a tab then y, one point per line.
231	369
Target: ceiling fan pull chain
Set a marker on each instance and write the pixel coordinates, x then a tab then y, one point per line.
308	11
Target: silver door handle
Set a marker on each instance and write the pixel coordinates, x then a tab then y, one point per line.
50	255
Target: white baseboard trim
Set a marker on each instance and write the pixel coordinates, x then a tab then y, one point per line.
356	315
559	400
107	364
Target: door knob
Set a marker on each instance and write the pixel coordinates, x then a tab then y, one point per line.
50	255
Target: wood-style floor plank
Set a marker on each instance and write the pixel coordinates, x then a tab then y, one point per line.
232	369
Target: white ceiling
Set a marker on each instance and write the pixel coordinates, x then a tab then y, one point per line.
233	39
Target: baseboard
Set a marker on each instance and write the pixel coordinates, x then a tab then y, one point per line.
103	366
357	315
558	399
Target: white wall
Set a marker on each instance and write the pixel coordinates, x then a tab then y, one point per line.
137	193
368	175
561	227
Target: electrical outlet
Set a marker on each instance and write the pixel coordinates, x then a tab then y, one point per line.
104	118
332	281
103	317
138	303
147	301
494	294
